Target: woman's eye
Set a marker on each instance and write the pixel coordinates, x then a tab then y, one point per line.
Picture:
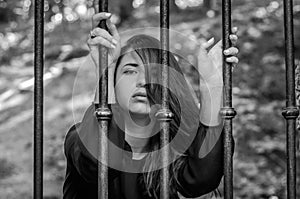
129	72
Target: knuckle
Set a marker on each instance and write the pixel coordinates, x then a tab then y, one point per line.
230	59
97	29
94	17
100	39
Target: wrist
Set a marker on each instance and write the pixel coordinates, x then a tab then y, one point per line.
213	81
211	102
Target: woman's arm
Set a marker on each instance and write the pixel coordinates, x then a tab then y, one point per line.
81	147
203	168
104	38
77	155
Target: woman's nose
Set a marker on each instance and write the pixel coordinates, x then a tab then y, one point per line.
141	81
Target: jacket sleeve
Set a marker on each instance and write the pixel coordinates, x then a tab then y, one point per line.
202	170
78	157
81	147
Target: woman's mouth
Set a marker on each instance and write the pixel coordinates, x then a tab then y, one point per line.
140	95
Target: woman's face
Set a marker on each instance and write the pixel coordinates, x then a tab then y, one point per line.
130	85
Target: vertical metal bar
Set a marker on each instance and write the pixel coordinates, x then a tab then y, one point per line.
103	113
227	112
297	82
164	115
38	98
291	112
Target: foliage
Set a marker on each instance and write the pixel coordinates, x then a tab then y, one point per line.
258	84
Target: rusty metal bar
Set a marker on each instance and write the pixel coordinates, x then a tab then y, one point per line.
164	115
291	112
38	99
227	111
103	113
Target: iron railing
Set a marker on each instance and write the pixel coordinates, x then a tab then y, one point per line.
291	112
104	114
164	115
38	98
227	112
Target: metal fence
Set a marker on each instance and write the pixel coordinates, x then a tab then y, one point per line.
104	114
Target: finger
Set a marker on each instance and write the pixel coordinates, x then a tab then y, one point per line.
209	43
103	33
231	51
100	16
92	47
112	28
216	50
219	44
100	41
233	38
234	30
233	60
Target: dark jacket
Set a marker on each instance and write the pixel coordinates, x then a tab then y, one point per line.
196	177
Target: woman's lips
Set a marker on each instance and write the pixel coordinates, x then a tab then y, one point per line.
143	98
140	96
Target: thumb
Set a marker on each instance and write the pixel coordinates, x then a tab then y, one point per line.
209	43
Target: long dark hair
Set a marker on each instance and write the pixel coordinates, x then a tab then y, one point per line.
148	49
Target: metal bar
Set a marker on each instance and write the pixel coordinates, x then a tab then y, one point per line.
103	113
164	115
291	112
38	98
227	111
297	83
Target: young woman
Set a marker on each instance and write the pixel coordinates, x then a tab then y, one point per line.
135	88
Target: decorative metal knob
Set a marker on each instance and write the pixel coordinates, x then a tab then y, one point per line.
164	115
227	112
290	112
103	113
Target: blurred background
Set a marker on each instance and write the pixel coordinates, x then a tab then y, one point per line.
258	84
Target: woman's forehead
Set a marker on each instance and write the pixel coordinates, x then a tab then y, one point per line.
130	56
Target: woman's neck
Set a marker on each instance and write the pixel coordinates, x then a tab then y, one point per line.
138	131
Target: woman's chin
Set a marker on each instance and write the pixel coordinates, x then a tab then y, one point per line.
141	109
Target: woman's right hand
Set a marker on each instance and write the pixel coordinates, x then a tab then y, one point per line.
102	37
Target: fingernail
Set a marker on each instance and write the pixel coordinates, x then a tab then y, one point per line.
211	39
108	14
226	52
113	46
114	41
234	29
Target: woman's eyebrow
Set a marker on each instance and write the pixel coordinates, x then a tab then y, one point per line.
131	64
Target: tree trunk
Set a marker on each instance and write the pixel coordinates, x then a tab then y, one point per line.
210	4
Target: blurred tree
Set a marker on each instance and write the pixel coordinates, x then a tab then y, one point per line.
6	11
122	8
174	7
210	4
6	15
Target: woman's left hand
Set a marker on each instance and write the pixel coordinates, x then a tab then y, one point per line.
210	63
